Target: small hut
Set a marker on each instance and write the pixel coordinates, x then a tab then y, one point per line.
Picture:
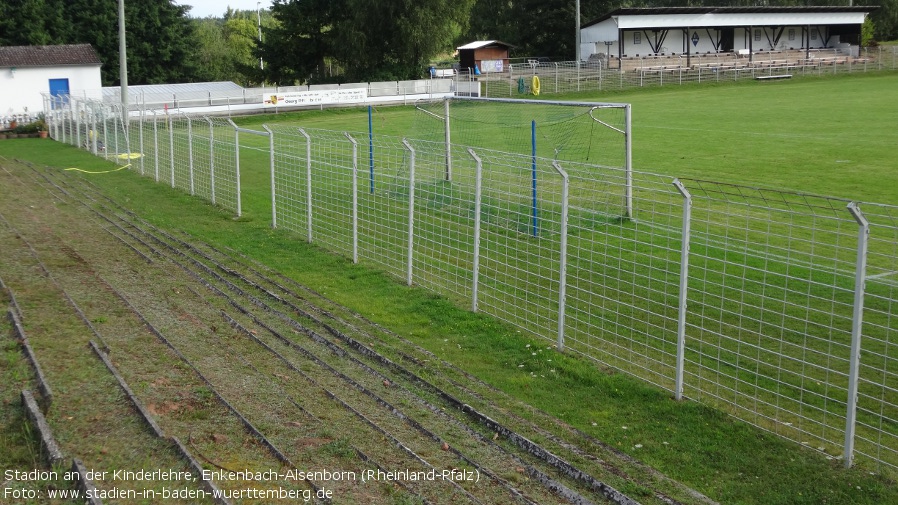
485	55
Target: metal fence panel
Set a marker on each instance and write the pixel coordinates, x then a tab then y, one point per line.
623	272
672	70
332	177
224	179
290	180
182	156
520	241
770	309
772	293
877	419
384	201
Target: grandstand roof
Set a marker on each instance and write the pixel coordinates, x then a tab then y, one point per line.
649	17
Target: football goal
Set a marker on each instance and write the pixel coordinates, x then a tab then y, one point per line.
583	133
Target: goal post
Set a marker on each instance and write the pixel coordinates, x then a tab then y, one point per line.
595	133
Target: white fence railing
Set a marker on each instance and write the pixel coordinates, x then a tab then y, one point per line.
517	81
613	74
776	307
196	154
764	315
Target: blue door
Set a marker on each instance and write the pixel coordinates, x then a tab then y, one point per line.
59	88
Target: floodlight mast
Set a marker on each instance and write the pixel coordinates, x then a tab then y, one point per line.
259	19
123	62
577	34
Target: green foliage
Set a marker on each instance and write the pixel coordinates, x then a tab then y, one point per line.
32	22
212	55
885	19
867	31
160	37
295	49
393	39
27	128
160	43
227	48
397	39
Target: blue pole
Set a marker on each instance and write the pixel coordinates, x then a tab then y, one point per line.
533	157
370	150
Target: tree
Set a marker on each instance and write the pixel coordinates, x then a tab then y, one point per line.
396	39
295	48
885	20
161	42
240	34
370	40
213	59
32	22
160	37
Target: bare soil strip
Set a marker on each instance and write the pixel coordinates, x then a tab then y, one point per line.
260	375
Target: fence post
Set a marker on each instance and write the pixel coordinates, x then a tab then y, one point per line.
370	148
91	126
116	117
237	165
355	198
140	136
628	162
510	80
533	181
171	146
76	125
190	153
684	282
105	132
562	266
211	158
96	135
60	123
857	320
155	146
308	183
557	77
478	202
274	214
411	211
448	139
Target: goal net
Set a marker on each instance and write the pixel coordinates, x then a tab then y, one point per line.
584	136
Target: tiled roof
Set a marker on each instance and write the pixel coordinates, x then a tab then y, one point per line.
48	56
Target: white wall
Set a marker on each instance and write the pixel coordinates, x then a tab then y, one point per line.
23	88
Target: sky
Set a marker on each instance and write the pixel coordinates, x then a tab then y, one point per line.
217	8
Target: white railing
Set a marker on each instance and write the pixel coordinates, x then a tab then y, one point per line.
612	74
776	307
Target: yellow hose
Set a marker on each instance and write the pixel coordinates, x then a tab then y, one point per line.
103	172
534	85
